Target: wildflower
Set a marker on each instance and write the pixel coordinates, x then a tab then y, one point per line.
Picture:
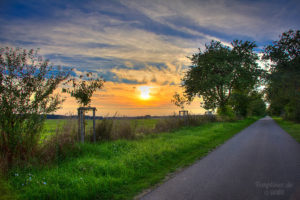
29	178
44	183
16	174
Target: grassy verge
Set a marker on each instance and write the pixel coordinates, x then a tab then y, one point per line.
291	127
121	169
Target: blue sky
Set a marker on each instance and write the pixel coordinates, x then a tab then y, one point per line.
138	42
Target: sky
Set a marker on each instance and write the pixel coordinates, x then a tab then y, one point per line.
140	47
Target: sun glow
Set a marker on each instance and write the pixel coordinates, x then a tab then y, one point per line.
145	92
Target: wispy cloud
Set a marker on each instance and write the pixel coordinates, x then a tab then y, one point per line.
132	43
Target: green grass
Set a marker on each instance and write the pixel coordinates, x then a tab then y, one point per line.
291	127
121	169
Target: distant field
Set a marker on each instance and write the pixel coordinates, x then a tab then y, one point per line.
51	125
123	168
291	127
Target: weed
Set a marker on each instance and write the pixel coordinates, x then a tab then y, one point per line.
104	129
57	146
123	129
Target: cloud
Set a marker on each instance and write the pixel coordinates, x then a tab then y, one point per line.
222	18
133	43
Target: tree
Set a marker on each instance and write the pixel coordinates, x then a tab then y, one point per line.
283	90
248	103
219	70
257	106
179	101
27	84
82	89
240	101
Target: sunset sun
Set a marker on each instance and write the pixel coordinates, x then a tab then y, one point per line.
144	92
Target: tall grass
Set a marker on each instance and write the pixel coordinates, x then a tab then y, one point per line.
57	146
176	122
120	169
112	129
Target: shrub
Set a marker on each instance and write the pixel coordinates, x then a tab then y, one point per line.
27	84
226	114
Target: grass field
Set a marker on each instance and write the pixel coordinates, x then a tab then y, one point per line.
121	169
291	127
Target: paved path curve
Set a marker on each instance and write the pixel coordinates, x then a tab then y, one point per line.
261	162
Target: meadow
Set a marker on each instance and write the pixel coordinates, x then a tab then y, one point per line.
118	169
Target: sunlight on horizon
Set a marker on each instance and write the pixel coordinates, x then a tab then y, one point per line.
145	92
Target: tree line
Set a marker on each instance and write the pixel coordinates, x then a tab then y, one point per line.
229	79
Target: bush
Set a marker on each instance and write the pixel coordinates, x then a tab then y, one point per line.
226	114
19	143
27	84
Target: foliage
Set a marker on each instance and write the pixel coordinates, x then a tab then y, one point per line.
179	101
6	191
83	88
245	103
257	106
219	70
123	168
283	91
240	101
226	114
27	84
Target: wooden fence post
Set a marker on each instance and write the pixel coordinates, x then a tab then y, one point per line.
82	126
94	131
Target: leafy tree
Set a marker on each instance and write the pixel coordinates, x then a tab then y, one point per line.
179	101
248	103
240	101
257	106
219	70
27	84
82	89
283	90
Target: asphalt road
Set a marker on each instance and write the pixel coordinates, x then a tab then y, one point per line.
260	162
